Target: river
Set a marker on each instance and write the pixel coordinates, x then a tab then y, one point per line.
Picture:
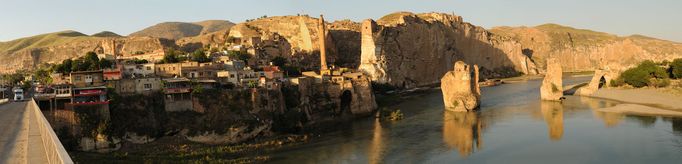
512	126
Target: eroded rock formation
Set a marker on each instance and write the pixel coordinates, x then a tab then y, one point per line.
410	50
552	85
460	88
585	50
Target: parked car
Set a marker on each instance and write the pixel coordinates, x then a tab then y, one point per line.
18	94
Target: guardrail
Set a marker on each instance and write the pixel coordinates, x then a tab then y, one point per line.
53	147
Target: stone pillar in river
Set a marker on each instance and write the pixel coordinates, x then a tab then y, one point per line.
552	86
460	88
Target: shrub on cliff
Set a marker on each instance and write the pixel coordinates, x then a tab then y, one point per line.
676	68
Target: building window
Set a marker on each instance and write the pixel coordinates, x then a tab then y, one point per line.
147	86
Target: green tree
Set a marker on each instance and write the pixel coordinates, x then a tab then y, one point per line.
91	61
79	65
106	63
65	67
200	56
170	57
646	73
238	55
676	68
43	76
279	61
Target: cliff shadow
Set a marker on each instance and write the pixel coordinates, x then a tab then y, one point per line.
495	62
348	43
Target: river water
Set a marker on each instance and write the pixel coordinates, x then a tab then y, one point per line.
512	126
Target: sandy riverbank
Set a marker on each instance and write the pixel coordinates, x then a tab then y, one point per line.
646	101
663	98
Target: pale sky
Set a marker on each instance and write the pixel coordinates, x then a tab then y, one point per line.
22	18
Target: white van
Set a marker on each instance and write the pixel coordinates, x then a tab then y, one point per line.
18	94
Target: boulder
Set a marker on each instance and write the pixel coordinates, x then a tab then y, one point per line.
552	88
461	91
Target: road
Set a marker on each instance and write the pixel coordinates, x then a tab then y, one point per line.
20	140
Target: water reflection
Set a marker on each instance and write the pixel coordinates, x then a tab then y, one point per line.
610	119
462	131
377	145
553	113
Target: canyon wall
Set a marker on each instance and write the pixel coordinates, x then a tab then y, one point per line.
586	50
410	50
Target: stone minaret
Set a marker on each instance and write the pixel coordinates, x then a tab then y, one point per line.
323	47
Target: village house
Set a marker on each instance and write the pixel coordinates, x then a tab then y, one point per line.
112	74
173	69
273	72
88	89
139	70
227	76
59	78
202	71
142	85
177	94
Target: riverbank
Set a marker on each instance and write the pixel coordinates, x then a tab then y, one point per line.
176	150
666	98
643	101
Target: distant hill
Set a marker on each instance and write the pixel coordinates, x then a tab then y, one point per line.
105	34
178	30
43	40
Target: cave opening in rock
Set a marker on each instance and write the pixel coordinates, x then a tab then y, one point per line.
346	99
602	82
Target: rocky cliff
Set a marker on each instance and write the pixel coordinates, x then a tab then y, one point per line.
28	53
586	50
409	50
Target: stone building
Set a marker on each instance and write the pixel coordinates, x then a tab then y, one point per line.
139	70
178	96
142	85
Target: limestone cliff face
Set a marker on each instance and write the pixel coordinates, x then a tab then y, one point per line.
585	50
31	57
300	36
409	50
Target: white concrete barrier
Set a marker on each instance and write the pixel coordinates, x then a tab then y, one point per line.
53	147
4	101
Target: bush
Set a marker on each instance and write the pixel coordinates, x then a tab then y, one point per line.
641	75
676	68
659	83
617	82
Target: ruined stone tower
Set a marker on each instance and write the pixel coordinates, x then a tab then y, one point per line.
323	47
369	53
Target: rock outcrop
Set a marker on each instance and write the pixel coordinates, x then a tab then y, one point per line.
410	50
460	88
552	85
585	50
598	81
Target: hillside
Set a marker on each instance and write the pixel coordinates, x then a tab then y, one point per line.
43	40
178	30
585	50
106	34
